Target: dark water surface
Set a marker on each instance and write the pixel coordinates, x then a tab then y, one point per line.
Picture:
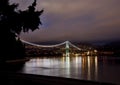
95	68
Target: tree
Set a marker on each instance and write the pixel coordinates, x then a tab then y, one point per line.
12	23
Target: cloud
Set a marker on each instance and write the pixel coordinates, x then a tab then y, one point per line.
82	20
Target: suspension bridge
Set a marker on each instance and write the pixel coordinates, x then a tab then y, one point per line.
66	43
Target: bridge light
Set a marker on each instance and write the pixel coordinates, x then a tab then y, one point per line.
95	51
76	55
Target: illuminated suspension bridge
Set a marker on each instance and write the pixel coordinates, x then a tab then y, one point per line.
66	43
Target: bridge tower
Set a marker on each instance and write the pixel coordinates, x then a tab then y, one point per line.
67	49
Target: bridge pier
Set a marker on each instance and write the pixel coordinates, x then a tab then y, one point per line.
67	49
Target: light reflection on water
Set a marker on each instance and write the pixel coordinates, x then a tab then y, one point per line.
95	68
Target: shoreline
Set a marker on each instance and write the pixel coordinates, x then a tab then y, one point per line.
22	78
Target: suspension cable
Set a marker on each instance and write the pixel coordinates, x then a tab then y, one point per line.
46	46
75	46
49	46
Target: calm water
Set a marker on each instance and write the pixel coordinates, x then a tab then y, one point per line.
96	68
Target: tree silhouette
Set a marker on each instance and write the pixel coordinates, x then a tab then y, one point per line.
12	23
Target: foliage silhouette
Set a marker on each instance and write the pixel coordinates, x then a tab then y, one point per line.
12	23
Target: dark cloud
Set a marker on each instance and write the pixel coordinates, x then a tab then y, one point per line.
79	20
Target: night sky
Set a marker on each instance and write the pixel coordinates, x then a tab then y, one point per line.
75	20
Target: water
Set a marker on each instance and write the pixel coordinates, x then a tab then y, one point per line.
95	68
